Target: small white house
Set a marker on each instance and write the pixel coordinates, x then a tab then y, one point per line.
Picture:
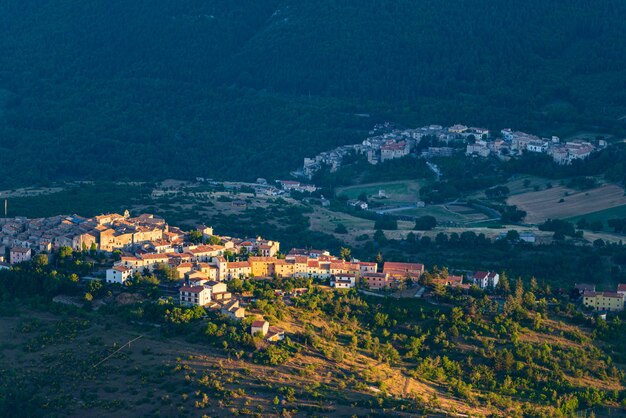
260	326
119	274
343	281
485	279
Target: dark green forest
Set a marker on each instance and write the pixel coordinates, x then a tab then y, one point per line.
183	88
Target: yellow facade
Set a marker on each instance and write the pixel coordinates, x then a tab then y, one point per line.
604	301
262	266
284	269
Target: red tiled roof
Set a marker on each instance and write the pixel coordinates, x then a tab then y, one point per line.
154	257
192	289
238	265
393	266
481	275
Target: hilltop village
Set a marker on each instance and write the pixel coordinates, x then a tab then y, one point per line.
200	264
385	142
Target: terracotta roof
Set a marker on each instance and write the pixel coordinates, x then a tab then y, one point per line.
192	289
258	323
481	275
238	265
154	257
262	259
375	275
389	266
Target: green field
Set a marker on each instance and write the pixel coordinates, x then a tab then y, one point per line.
442	214
397	191
602	215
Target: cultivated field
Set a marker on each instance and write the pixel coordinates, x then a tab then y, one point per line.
561	202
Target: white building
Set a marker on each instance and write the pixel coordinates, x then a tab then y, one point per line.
118	274
537	146
485	279
343	281
19	255
260	326
194	296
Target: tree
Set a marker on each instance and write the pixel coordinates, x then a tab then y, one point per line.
519	290
379	237
65	252
425	223
40	260
214	240
94	287
386	222
441	239
345	254
503	286
512	235
195	237
341	229
338	354
166	273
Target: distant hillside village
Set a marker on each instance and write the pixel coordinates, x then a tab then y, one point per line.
387	143
200	263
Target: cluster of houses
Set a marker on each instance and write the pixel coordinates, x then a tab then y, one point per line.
384	143
602	301
387	143
296	186
147	243
516	143
103	233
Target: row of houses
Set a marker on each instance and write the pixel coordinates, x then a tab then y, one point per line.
393	274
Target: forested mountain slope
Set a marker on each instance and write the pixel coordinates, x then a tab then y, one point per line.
160	88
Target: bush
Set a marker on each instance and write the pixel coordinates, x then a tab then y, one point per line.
386	222
425	223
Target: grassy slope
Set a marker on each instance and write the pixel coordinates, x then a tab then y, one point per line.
54	361
159	376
